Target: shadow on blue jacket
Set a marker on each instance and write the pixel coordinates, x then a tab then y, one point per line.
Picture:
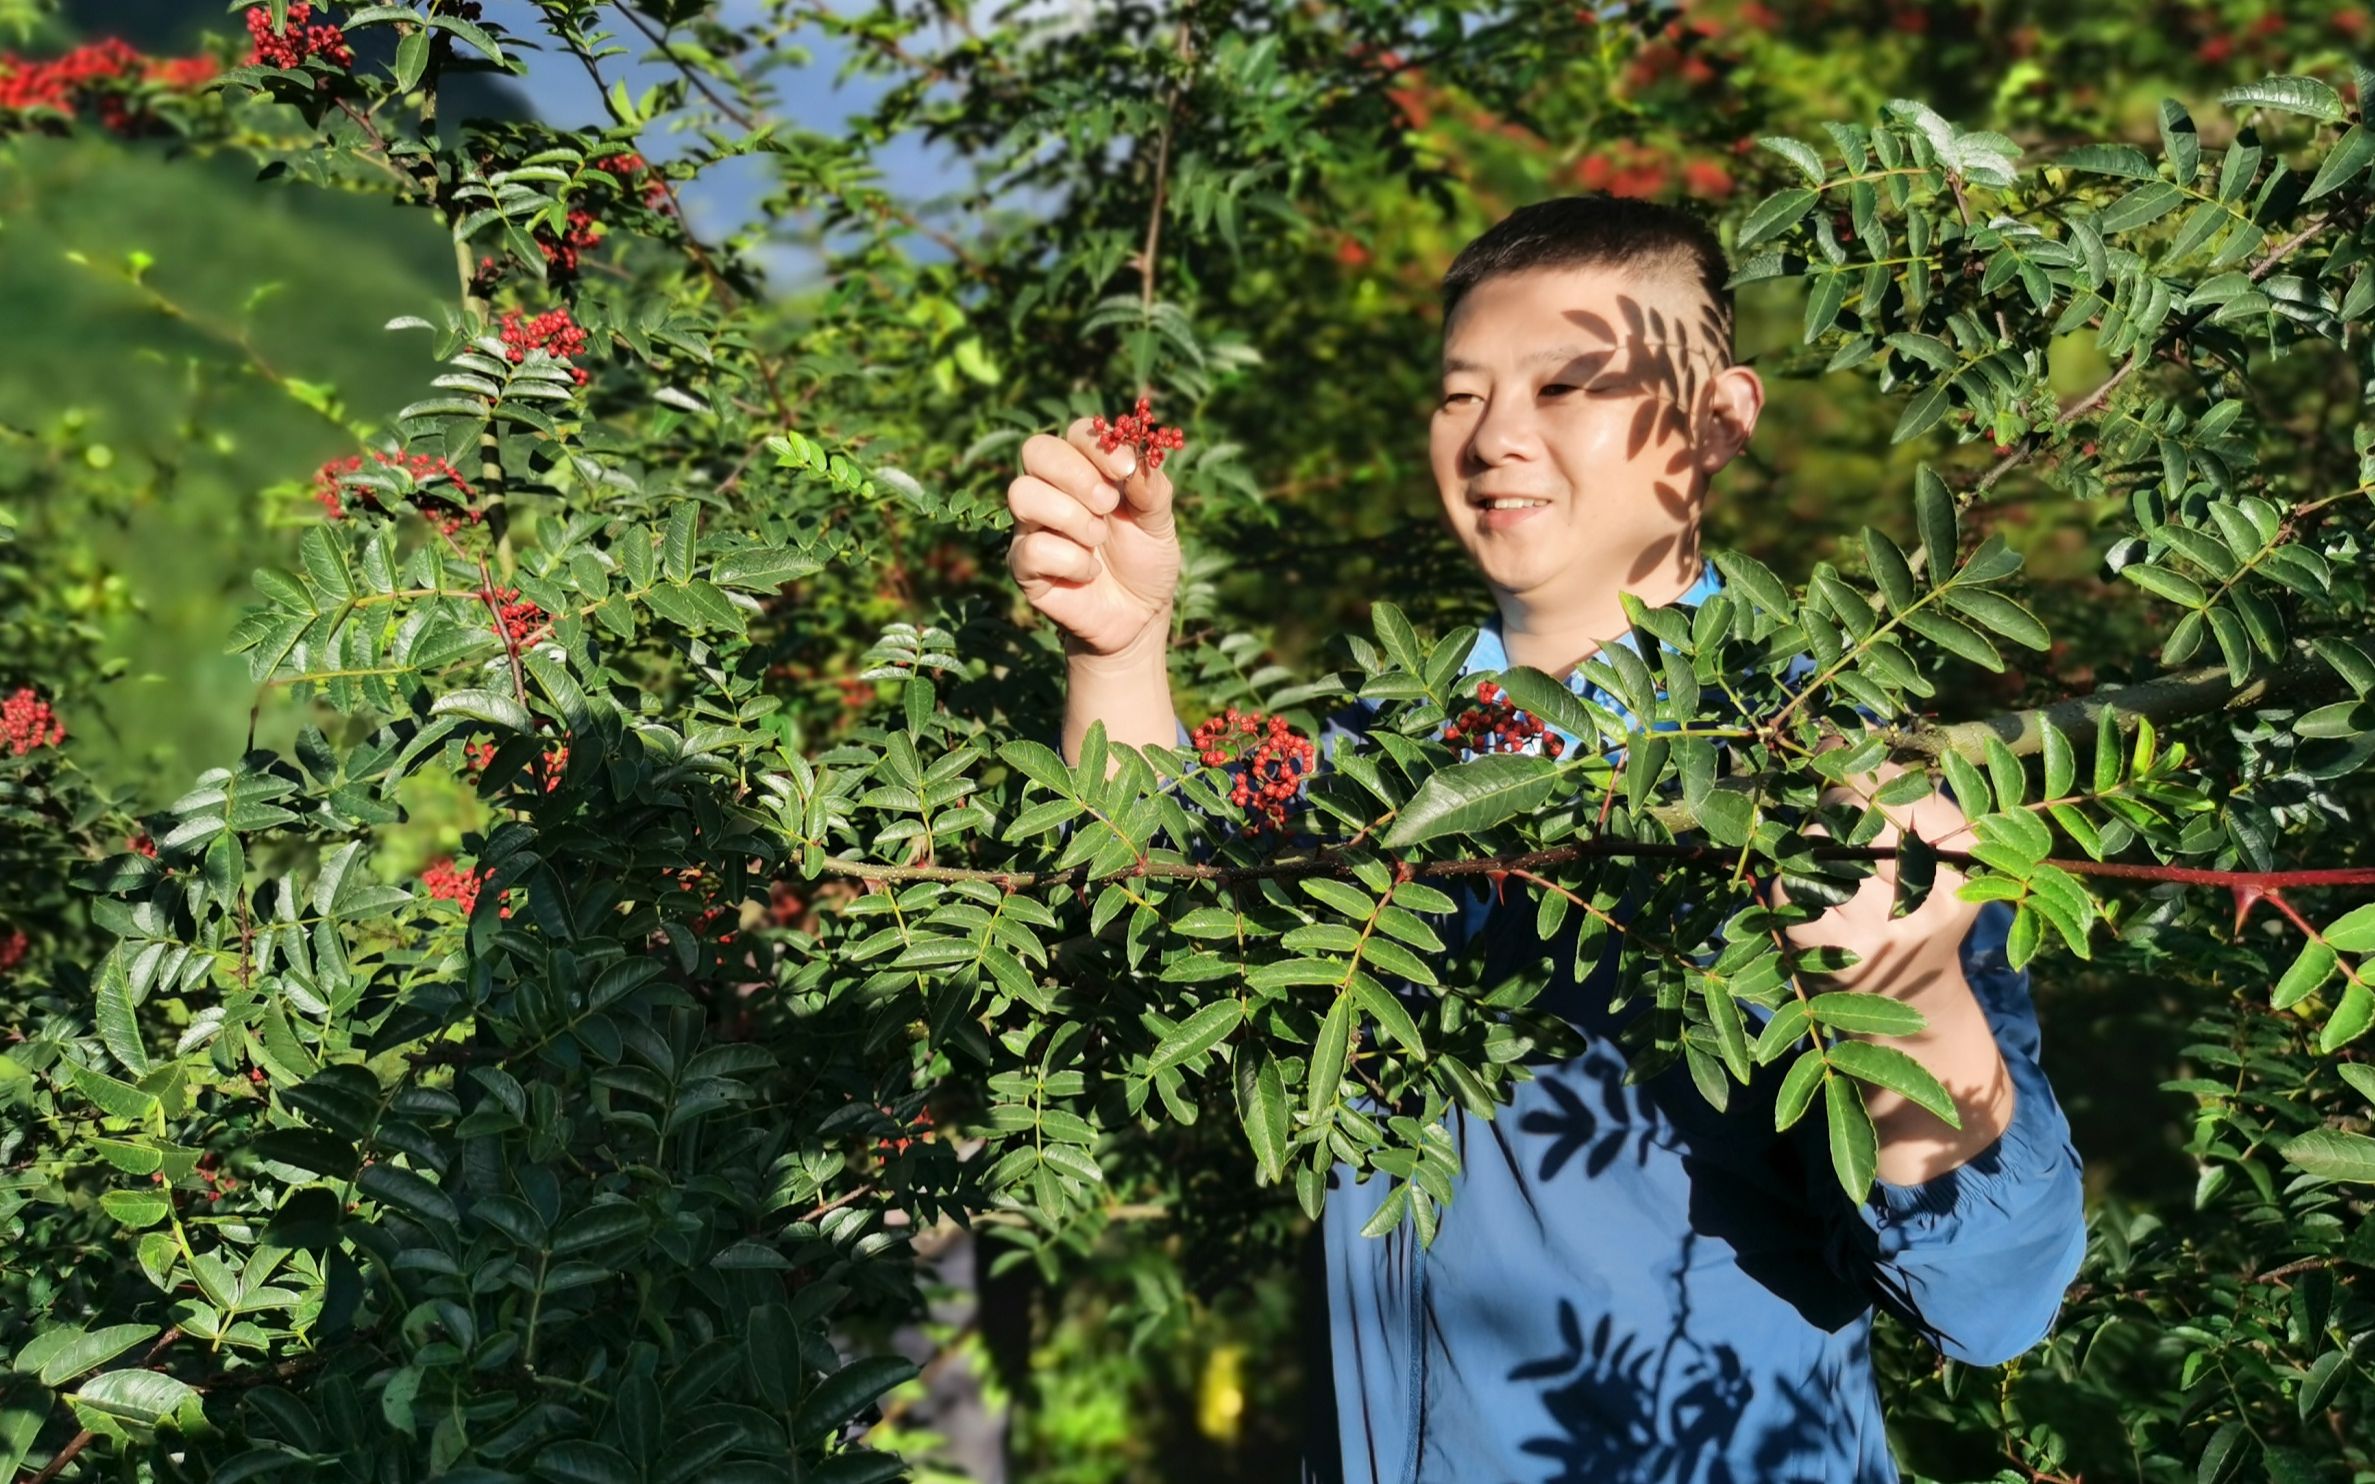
1631	1288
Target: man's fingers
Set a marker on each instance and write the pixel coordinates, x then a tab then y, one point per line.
1050	556
1034	503
1150	495
1065	466
1113	467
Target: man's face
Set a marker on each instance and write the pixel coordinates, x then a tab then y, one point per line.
1573	435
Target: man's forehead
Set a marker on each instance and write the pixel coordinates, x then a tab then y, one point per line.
1606	312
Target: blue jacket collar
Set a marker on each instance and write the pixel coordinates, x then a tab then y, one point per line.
1491	653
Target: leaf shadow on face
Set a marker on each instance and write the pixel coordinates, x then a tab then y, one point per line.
1661	363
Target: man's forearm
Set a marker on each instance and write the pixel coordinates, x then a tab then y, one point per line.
1130	692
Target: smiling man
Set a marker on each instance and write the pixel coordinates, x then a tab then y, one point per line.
1628	1286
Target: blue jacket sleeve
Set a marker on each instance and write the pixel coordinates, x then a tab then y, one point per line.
1978	1257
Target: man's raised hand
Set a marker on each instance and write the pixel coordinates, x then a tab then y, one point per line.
1095	546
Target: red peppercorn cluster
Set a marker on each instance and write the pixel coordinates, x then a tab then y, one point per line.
549	768
1139	429
101	75
1497	726
14	945
27	722
552	332
1270	772
330	483
141	845
448	882
524	624
303	38
898	1145
561	252
632	169
219	1184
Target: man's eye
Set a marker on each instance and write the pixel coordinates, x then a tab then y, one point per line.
1451	397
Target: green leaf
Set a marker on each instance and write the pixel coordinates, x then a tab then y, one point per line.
2109	159
1797	1088
2350	1019
59	1354
584	1461
1472	797
141	1398
1776	214
2001	615
1199	1033
1889	570
2309	972
1392	1016
1933	511
1039	763
1261	1106
401	1187
2333	1155
1923	412
2353	931
2061	761
1537	694
1328	1052
490	706
1886	1066
2180	141
2302	95
1855	1148
847	1391
2140	207
676	546
412	59
1797	153
1757	580
1866	1014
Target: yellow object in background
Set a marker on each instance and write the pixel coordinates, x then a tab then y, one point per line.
1220	1395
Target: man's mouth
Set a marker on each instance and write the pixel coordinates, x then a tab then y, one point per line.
1508	502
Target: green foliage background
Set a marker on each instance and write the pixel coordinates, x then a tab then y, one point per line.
164	418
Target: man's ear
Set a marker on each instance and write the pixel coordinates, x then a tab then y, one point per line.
1727	416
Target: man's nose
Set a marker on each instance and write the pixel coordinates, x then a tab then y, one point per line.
1505	431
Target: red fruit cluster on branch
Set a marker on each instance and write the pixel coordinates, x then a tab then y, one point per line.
524	624
103	75
922	1126
14	945
448	882
27	722
141	845
1140	430
303	38
549	768
1270	772
552	332
330	484
633	169
1497	726
561	252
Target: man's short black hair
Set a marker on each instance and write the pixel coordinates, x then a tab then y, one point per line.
1597	231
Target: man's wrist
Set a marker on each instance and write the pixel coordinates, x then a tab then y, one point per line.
1149	653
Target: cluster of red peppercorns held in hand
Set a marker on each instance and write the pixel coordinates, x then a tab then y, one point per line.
1139	430
1270	772
552	332
1497	726
303	38
100	74
27	722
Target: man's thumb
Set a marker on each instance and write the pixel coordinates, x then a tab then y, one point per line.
1149	497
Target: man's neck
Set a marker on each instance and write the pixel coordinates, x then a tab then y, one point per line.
1557	629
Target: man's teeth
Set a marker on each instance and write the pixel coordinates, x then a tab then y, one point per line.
1513	504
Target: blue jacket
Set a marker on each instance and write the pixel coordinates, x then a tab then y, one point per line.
1631	1287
